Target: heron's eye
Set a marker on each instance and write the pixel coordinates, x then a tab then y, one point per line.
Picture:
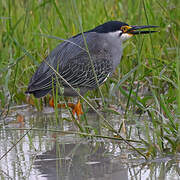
124	28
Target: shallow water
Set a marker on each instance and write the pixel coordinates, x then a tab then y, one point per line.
45	154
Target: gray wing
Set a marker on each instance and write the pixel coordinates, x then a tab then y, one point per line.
81	74
73	63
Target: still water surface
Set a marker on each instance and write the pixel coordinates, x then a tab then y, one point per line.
43	154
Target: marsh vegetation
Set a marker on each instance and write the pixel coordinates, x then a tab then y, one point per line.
139	105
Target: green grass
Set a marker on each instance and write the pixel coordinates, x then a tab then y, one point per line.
150	63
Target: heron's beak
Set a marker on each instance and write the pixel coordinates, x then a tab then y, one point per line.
133	30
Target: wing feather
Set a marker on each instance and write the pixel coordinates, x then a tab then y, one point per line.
73	63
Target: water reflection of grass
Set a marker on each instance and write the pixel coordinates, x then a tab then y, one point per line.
147	79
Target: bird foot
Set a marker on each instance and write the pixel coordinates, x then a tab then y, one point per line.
76	108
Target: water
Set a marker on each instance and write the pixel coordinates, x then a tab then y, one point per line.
49	155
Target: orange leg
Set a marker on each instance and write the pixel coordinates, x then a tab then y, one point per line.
76	108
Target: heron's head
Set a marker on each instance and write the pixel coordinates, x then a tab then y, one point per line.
122	30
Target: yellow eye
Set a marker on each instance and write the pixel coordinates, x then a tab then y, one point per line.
125	28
